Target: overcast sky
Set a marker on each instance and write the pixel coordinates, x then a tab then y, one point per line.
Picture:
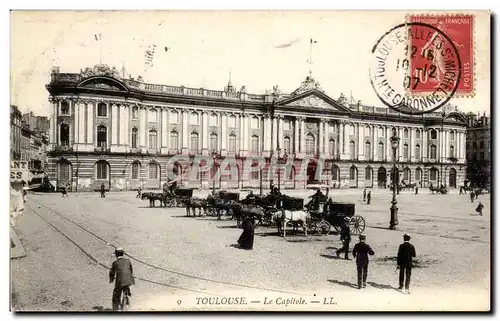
261	49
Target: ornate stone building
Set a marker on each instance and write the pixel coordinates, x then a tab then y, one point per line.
122	132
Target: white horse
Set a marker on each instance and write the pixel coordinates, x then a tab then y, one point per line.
295	217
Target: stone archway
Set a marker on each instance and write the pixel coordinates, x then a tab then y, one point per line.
382	177
64	174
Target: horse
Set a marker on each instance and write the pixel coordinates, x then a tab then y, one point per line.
63	191
152	197
195	203
295	217
241	211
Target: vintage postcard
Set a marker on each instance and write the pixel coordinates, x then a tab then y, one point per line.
250	161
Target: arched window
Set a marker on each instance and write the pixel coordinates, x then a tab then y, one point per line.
433	134
331	147
65	174
406	174
153	115
405	151
231	121
433	154
335	173
194	142
102	170
418	174
135	133
310	144
381	150
193	118
174	117
286	144
452	151
353	173
255	144
214	139
153	170
417	152
213	120
102	110
102	136
65	108
352	149
64	134
174	140
153	139
135	113
255	122
135	170
433	174
232	143
368	173
368	151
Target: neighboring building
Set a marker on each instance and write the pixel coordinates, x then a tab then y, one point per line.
15	133
479	150
123	132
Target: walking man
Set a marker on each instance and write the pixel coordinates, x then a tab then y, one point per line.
369	197
103	190
364	195
406	253
472	196
361	251
345	238
416	190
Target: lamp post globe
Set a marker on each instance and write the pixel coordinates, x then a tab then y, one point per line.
394	209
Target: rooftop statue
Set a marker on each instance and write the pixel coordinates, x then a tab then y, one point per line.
308	84
100	70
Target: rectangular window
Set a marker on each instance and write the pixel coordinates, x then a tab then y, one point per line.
255	123
254	175
231	121
286	145
232	144
153	140
433	175
381	151
193	119
417	134
174	142
153	171
102	170
174	117
135	171
213	143
286	124
255	145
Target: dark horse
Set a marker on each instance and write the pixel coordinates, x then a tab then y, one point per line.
153	197
194	203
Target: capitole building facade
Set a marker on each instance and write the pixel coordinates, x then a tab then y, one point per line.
124	133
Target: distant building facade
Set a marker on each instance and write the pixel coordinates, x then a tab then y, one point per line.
16	119
479	150
123	132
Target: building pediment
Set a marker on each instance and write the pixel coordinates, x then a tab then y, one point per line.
102	83
313	99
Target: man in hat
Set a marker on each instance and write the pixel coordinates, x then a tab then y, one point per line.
364	195
406	253
103	190
361	251
369	197
345	238
121	271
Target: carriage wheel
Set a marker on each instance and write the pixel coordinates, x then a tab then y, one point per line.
357	225
323	227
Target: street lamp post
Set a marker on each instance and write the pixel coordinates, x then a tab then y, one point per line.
394	208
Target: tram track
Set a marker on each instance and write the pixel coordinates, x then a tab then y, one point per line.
150	265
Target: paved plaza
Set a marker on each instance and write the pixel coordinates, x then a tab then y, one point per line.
178	259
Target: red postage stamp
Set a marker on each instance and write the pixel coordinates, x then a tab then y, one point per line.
460	30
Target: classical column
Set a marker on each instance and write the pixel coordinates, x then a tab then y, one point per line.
280	131
321	135
204	126
114	124
142	126
185	130
296	147
340	143
274	144
267	133
52	123
411	149
90	122
81	122
241	119
302	136
76	122
347	141
121	132
164	127
361	144
246	132
401	143
224	133
463	146
388	149
375	143
126	124
424	149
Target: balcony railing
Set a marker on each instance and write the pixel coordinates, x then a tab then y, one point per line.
101	149
63	148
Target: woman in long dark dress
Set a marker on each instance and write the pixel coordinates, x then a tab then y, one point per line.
246	239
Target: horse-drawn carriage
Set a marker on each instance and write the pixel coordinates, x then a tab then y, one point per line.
178	197
220	203
338	213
